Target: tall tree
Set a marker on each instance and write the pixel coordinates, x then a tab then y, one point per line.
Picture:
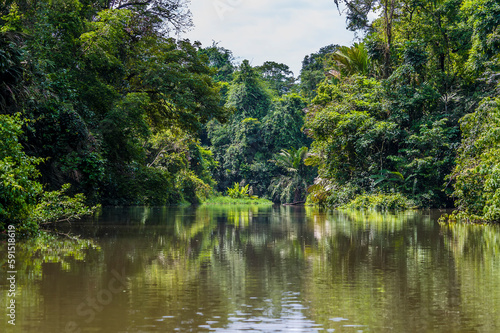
314	67
248	95
279	76
107	77
165	16
291	186
350	60
357	19
222	60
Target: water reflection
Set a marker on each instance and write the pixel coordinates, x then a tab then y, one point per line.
264	269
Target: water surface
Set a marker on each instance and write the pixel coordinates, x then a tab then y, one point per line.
259	269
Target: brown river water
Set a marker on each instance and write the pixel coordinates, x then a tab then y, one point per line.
257	269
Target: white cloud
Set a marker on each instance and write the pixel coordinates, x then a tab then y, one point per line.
278	30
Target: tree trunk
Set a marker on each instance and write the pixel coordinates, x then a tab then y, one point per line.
388	17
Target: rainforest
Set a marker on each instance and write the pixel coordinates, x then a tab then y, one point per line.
103	103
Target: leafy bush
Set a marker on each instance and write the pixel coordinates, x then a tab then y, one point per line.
221	200
18	189
22	199
192	189
326	192
477	173
239	192
155	187
55	207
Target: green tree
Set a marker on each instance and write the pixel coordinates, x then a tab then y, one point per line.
166	16
22	199
105	77
367	131
11	71
248	94
352	135
423	58
484	18
350	60
18	188
314	67
259	127
279	77
238	144
282	126
477	173
292	185
222	60
357	19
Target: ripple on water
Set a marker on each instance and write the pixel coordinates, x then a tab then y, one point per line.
291	318
337	319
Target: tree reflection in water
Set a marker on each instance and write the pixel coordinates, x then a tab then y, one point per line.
231	268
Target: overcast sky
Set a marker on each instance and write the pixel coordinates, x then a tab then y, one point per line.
276	30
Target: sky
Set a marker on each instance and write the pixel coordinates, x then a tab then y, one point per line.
283	31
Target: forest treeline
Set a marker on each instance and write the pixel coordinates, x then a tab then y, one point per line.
104	96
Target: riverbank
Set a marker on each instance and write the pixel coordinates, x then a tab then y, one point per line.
222	200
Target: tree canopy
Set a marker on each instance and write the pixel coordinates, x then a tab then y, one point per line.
106	96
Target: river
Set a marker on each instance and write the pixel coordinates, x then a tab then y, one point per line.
258	269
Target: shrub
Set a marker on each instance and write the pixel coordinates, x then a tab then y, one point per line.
220	200
193	189
22	199
477	171
55	206
239	192
326	192
18	189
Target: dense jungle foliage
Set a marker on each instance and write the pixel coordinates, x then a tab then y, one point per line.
103	102
412	108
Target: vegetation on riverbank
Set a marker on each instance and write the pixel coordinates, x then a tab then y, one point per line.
23	200
412	109
223	200
101	97
238	195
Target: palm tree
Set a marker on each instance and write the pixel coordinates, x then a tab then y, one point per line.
350	60
292	184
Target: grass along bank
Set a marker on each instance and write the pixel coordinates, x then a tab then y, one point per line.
238	195
225	200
